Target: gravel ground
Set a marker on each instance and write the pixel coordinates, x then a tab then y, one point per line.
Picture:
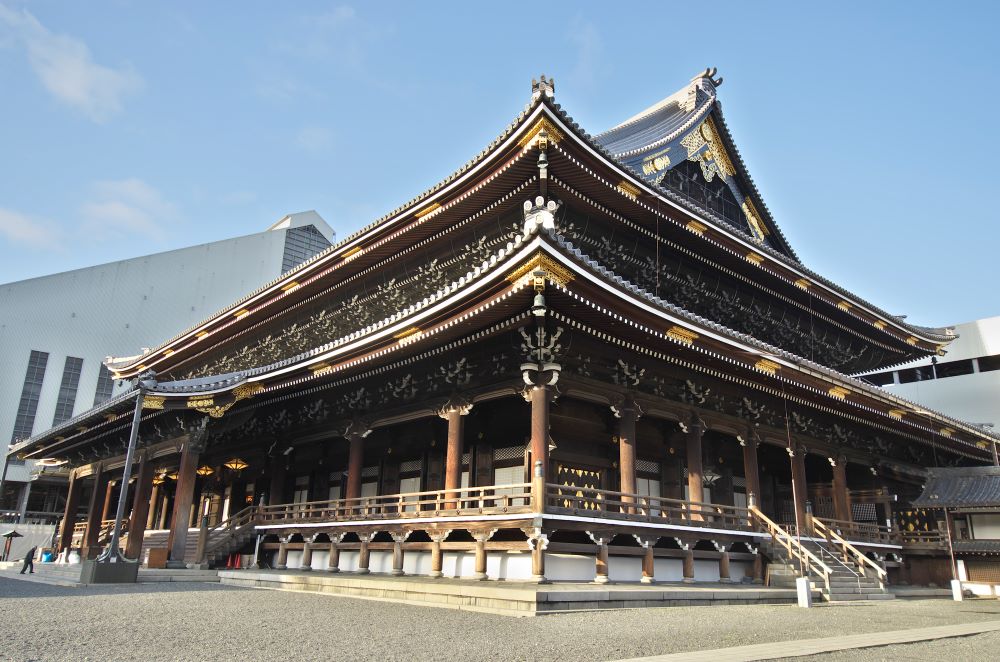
976	647
209	621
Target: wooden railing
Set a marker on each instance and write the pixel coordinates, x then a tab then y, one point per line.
641	508
927	539
231	529
796	552
80	531
861	531
438	503
849	551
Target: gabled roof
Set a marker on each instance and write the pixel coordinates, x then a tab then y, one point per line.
485	294
961	487
521	136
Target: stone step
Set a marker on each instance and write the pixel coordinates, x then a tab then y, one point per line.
863	596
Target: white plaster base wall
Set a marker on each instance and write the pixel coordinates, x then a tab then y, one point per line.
516	565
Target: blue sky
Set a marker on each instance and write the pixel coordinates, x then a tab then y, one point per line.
134	127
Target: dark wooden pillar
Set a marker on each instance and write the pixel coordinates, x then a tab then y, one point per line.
437	537
688	569
601	539
307	555
140	508
724	576
355	434
109	499
154	500
539	397
397	553
364	554
694	433
454	412
799	491
481	539
69	515
841	508
628	413
333	562
183	498
648	560
281	563
750	470
91	539
279	476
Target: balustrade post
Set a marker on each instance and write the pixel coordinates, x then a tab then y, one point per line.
364	555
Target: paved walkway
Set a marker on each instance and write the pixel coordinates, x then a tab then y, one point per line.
797	648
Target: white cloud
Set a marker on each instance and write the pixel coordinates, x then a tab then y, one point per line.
66	69
315	139
18	228
127	207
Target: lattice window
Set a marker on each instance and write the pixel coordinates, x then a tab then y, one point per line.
67	390
864	512
369	472
647	467
983	571
509	453
28	405
409	465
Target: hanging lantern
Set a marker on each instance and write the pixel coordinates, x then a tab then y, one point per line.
205	470
236	464
159	479
172	476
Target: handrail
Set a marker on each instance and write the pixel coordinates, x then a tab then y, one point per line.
224	531
794	548
865	531
641	507
455	501
847	547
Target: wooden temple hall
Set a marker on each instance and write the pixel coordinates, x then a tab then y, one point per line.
578	357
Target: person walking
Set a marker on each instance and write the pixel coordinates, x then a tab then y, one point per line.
29	561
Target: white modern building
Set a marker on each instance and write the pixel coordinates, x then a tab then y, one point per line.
964	383
55	331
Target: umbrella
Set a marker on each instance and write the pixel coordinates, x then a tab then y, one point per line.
10	535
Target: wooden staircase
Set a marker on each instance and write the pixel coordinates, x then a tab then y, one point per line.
838	570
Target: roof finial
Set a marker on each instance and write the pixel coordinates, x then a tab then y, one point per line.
709	74
543	86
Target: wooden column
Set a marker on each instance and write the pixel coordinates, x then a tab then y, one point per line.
758	568
481	539
69	514
688	567
841	508
648	560
695	431
454	412
333	562
750	469
799	491
355	434
140	508
154	501
279	476
91	539
364	555
397	553
627	412
307	555
724	576
281	563
437	537
539	397
601	565
109	499
183	498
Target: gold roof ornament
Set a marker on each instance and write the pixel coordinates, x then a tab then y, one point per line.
682	335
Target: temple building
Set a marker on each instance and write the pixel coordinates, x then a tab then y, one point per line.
578	357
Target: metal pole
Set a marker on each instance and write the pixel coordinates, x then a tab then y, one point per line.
113	554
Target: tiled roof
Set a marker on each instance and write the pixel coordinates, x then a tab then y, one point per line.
961	487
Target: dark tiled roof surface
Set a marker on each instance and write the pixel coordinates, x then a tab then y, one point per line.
962	487
976	546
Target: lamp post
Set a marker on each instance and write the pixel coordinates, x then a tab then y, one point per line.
113	554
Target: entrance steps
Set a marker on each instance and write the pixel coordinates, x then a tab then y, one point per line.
68	574
846	582
510	598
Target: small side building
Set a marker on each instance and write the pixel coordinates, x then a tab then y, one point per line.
966	501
